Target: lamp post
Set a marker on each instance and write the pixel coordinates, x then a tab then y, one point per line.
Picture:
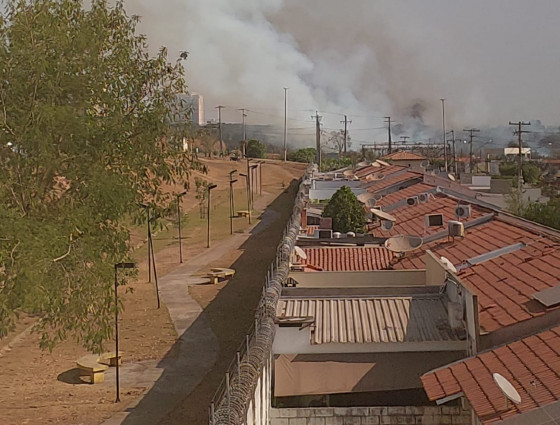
253	188
210	187
260	177
147	208
118	266
231	203
248	195
179	218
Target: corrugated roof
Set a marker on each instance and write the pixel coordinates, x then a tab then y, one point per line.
390	180
532	365
363	320
348	258
404	156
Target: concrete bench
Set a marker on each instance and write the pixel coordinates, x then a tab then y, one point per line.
89	366
243	213
217	273
110	358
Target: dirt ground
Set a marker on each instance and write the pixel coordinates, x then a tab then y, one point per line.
41	387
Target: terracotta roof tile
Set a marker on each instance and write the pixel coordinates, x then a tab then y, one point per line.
404	156
348	258
532	365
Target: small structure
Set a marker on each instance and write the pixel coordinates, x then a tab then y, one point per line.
407	159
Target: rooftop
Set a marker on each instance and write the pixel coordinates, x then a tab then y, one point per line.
531	365
348	258
404	156
361	320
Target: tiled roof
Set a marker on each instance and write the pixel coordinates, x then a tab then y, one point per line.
390	180
411	218
407	192
504	285
531	365
363	320
404	156
385	169
311	229
348	258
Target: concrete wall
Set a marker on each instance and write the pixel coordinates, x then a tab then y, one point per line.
323	194
425	415
335	184
377	278
258	412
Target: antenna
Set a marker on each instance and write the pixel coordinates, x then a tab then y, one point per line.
510	393
300	253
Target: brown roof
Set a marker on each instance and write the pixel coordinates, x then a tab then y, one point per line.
348	258
390	180
362	320
404	156
385	169
532	365
407	192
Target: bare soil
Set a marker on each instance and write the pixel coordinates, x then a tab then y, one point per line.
41	387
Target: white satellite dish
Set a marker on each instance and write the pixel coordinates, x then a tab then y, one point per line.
364	197
385	164
362	164
448	264
300	253
375	164
507	389
382	215
403	243
451	177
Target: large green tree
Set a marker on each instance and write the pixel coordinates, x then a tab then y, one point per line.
256	149
84	138
346	211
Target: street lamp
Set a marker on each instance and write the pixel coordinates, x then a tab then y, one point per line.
260	177
179	217
231	203
118	266
248	195
210	187
252	180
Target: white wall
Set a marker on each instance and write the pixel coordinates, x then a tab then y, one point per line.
323	194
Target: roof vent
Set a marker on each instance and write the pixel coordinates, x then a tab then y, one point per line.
463	211
413	200
336	235
350	235
387	225
424	197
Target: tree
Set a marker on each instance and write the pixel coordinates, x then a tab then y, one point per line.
84	139
336	141
306	155
346	211
255	149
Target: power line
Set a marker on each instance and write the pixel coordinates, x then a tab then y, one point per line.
388	121
519	132
471	131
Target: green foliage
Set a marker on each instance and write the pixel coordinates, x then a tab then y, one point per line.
255	149
544	213
84	139
306	155
531	172
346	211
331	164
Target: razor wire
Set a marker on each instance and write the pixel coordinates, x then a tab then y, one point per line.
231	401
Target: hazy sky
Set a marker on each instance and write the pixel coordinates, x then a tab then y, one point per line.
493	60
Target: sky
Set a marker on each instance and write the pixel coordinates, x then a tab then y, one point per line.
492	60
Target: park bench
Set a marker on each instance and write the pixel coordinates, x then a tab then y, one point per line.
89	366
110	358
243	213
216	273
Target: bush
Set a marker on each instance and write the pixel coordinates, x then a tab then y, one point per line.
255	149
346	211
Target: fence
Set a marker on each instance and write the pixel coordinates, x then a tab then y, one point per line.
248	374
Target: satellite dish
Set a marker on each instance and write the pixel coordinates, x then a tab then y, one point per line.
382	215
362	164
375	164
403	243
377	197
451	177
364	197
370	203
448	264
300	253
507	388
385	164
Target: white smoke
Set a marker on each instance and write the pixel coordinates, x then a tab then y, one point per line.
364	58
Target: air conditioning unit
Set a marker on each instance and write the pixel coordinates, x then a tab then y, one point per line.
463	211
456	228
433	220
387	225
325	234
413	200
424	197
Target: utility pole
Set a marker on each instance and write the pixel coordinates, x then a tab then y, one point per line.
388	121
403	138
519	132
471	131
453	151
285	123
345	122
243	116
318	137
219	108
443	132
